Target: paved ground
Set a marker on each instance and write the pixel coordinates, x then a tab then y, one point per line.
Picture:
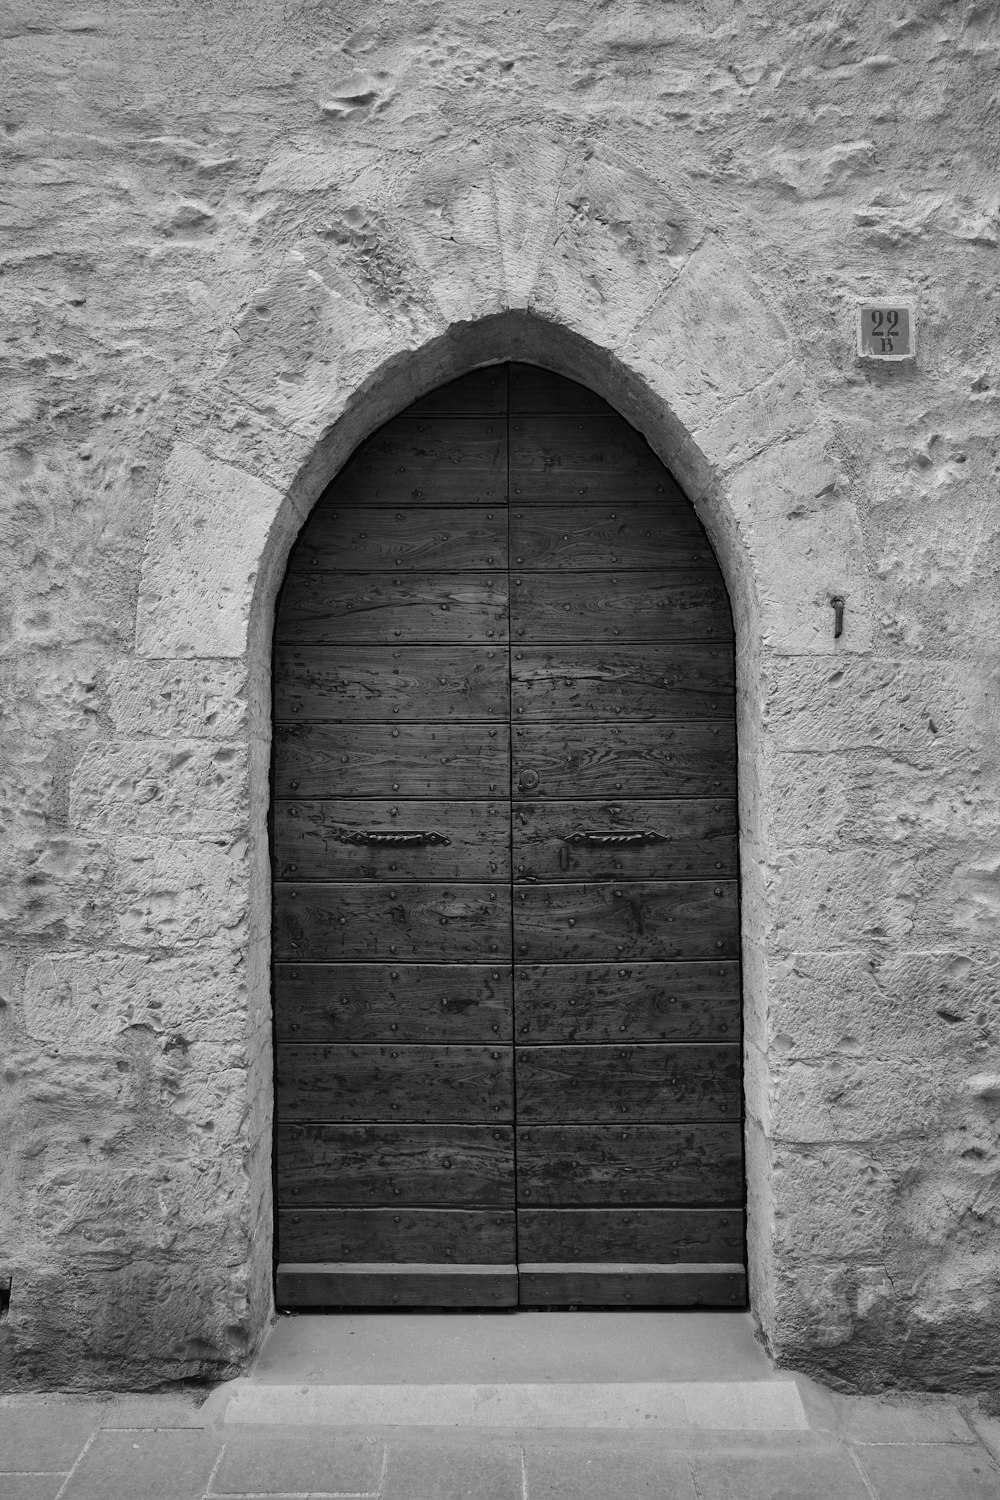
192	1446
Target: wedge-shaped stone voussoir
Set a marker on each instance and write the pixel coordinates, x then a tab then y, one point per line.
447	211
190	786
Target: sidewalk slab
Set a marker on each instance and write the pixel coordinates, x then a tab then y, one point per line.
260	1463
138	1464
599	1471
421	1473
45	1435
779	1476
30	1486
920	1472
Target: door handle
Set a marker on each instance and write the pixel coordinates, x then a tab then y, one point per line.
397	839
595	840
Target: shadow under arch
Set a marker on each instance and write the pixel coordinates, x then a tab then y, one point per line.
398	382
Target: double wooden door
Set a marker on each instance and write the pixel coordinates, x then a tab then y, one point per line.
506	933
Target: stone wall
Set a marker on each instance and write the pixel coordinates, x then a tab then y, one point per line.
237	238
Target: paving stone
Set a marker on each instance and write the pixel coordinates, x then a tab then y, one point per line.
597	1471
45	1435
919	1472
155	1411
144	1465
419	1471
784	1476
30	1486
269	1463
866	1421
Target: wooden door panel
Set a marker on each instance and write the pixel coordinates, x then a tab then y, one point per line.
652	759
533	389
629	1234
652	1082
431	921
574	459
627	606
635	920
356	839
606	1166
611	1002
474	1236
390	682
389	1003
702	1284
480	393
626	840
385	760
346	538
389	1285
447	460
407	1166
425	1084
684	680
557	538
322	608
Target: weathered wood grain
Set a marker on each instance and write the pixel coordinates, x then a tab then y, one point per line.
651	759
640	919
383	760
533	389
356	839
386	683
619	606
607	1166
471	1236
441	460
380	608
430	922
393	1003
610	1002
621	534
680	680
598	1285
395	1286
662	840
580	458
480	393
659	1235
426	1084
408	1166
355	537
650	1083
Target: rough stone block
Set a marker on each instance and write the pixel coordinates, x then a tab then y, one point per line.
178	699
187	787
55	887
175	894
526	168
447	207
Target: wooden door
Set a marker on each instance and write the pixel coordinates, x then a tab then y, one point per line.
506	937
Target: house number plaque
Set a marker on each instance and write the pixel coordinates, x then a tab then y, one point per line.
885	331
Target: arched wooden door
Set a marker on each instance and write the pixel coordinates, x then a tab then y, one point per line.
506	930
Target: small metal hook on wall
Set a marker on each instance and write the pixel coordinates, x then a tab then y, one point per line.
838	616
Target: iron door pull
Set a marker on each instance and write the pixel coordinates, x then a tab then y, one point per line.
397	839
620	840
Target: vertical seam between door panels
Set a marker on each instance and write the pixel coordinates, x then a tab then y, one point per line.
510	831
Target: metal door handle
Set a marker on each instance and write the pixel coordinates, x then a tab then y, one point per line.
397	839
597	840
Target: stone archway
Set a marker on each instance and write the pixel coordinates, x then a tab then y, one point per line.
669	329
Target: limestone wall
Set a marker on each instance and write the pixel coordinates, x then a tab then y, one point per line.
237	237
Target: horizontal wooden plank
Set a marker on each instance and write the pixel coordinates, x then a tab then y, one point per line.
627	840
345	537
472	1236
390	1003
318	608
624	533
651	1083
376	839
387	683
659	1235
610	1002
430	921
533	389
640	919
392	1285
425	1084
404	1165
437	460
652	759
581	458
381	760
619	605
632	1286
603	1166
680	680
480	393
